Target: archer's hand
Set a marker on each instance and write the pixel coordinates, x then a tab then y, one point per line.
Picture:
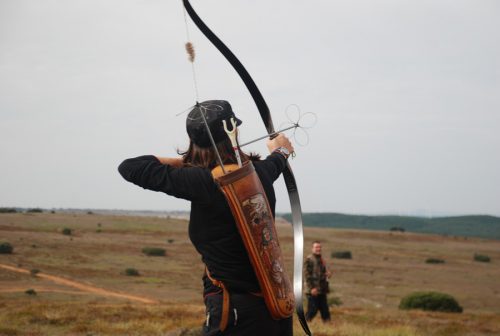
280	141
314	292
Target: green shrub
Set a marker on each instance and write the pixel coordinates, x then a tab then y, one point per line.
66	231
170	241
6	248
8	210
131	272
481	258
35	210
34	272
334	301
432	301
434	261
342	254
154	251
397	229
30	291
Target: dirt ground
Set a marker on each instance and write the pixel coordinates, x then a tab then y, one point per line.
84	272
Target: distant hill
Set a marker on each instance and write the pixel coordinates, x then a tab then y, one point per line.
481	226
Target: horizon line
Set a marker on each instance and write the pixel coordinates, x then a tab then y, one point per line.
278	213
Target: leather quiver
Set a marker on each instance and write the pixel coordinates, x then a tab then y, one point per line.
248	202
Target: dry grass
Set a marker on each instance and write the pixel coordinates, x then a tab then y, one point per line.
41	317
385	267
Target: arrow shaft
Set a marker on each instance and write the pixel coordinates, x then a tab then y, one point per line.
271	135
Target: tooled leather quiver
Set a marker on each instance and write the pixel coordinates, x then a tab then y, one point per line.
254	219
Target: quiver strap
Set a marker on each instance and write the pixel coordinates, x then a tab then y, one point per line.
248	202
225	301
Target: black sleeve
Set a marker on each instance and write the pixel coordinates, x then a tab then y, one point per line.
190	183
275	163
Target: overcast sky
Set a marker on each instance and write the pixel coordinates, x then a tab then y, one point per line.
406	93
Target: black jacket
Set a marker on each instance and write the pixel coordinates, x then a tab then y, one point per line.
212	229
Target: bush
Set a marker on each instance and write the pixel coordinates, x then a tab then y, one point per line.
154	251
6	248
334	301
35	210
8	210
30	291
66	231
432	301
434	261
342	255
481	258
397	228
170	241
131	272
34	272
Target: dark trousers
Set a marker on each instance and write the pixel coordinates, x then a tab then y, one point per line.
248	316
315	303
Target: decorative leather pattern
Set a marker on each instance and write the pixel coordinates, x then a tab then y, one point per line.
250	207
260	220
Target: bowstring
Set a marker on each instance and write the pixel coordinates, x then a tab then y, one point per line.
193	69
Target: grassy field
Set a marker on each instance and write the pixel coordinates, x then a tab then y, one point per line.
82	290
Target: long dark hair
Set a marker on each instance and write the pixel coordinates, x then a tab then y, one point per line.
196	156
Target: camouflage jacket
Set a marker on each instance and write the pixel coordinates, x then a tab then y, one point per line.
315	274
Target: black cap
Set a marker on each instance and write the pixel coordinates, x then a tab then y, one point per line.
215	111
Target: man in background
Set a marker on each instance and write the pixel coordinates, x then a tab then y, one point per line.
316	276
